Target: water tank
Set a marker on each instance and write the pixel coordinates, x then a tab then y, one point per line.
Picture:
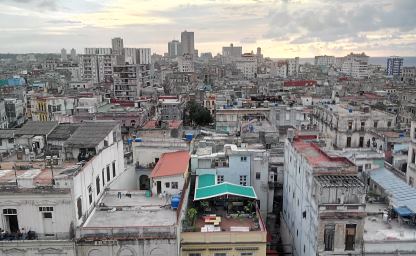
138	140
175	202
189	136
350	110
129	141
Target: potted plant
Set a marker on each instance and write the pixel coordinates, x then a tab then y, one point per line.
191	215
204	205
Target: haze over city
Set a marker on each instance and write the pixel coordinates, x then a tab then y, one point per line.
285	28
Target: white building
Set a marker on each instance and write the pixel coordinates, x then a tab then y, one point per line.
293	67
74	55
355	65
232	51
323	202
145	56
174	48
324	61
247	65
97	67
64	56
411	160
169	175
185	63
97	51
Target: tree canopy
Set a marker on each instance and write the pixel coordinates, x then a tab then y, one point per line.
197	114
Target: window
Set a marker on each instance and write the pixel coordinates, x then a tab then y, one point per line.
389	124
46	209
167	184
413	155
348	142
350	237
375	124
220	179
47	215
103	177
220	254
89	194
243	159
243	180
411	181
367	166
114	169
349	125
360	168
329	234
257	175
11	140
361	143
194	254
246	254
10	211
362	125
79	207
175	185
108	173
97	184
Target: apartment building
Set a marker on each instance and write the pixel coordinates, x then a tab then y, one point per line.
323	201
355	65
350	126
324	61
247	65
411	159
242	166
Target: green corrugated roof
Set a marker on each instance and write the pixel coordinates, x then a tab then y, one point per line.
223	189
206	180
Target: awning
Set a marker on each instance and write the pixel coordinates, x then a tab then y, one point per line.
206	180
403	211
222	189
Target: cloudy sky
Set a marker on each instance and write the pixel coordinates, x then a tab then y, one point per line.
283	28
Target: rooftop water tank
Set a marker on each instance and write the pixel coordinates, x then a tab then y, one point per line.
129	141
175	202
138	140
189	136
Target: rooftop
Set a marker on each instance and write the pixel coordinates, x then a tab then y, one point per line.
63	131
172	163
316	157
137	210
6	134
36	128
378	229
90	134
172	124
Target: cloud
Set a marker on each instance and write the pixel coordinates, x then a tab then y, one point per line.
290	28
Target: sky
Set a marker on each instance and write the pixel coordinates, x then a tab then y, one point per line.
282	28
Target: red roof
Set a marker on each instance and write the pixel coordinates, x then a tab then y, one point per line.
171	164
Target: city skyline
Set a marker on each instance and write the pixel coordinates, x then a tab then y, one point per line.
281	28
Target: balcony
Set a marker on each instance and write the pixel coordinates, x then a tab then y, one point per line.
139	232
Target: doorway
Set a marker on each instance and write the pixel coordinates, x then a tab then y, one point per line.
159	187
11	222
47	223
144	182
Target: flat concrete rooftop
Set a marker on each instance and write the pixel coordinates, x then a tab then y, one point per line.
137	210
377	229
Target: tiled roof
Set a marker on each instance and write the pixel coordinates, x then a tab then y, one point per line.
172	163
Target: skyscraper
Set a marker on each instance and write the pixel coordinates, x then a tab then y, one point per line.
174	48
73	55
187	41
394	66
117	45
63	55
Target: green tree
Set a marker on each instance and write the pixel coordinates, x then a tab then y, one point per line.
197	114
